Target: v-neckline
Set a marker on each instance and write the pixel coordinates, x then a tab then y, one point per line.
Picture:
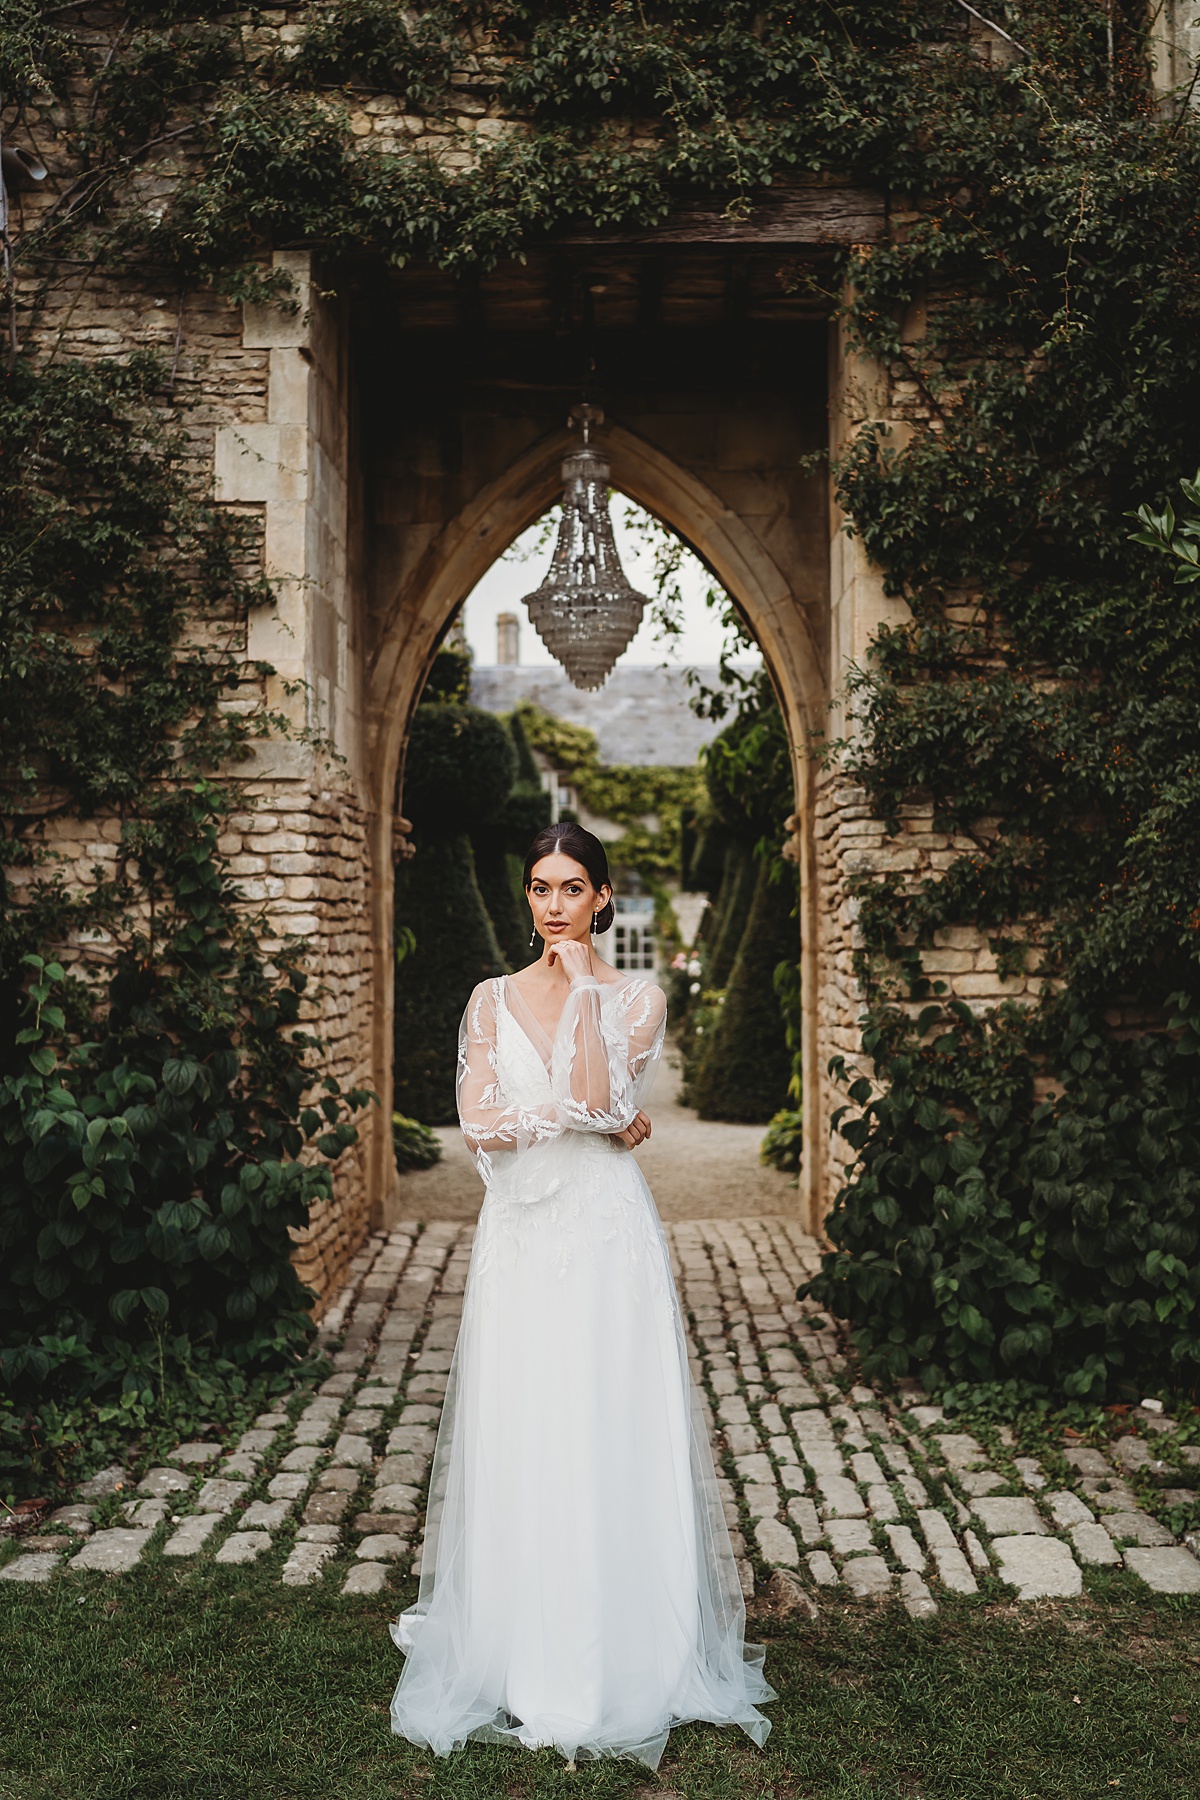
550	1037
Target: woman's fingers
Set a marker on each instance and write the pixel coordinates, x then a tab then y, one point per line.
636	1132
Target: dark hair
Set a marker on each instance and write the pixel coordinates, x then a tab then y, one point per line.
569	839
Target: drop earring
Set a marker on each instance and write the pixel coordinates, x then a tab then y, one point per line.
533	937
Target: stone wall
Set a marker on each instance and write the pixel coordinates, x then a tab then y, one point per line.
388	462
261	399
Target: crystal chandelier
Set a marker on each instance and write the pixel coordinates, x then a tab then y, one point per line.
585	612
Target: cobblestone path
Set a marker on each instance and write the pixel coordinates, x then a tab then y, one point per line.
826	1486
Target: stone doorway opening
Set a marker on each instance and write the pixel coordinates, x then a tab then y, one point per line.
626	761
715	385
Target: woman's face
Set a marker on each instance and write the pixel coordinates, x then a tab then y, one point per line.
562	898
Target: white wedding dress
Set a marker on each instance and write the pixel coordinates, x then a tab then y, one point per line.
578	1586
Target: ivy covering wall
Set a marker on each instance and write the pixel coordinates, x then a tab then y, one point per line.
1023	1205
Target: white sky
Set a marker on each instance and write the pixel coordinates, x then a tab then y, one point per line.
523	565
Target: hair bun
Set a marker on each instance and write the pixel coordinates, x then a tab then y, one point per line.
604	918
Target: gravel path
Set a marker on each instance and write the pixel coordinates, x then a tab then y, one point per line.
697	1169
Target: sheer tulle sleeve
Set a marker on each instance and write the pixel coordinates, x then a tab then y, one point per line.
604	1053
489	1120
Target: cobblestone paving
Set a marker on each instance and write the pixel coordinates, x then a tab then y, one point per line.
826	1486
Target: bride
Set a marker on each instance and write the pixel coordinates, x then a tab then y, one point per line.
578	1587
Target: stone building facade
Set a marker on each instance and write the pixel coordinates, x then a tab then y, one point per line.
394	430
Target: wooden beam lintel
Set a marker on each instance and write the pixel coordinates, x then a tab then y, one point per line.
804	216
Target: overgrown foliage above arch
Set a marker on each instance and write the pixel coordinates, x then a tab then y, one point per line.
1036	311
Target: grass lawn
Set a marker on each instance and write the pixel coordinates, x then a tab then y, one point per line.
219	1683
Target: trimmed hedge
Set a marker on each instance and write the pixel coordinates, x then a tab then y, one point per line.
459	770
439	902
745	1065
732	912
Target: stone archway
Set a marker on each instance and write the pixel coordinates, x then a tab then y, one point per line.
466	548
401	447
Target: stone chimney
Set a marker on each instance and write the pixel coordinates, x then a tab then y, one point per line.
507	638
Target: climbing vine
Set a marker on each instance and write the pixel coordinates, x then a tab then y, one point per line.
1035	310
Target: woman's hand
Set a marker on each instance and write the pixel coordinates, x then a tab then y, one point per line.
635	1133
576	958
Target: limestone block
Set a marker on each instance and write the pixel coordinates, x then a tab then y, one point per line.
914	1491
1109	1494
112	1551
792	1479
866	1469
269	326
344	1480
975	1551
823	1459
366	1578
1040	1568
840	1498
305	1563
1093	1545
959	1450
919	1603
364	1419
147	1513
241	1466
72	1518
1166	1571
882	1503
158	1483
905	1547
418	1438
254	1443
243	1547
352	1452
803	1515
821	1568
732	1410
339	1385
1068	1509
318	1534
1137	1528
220	1496
849	1537
981	1481
108	1481
776	1544
265	1515
191	1455
314	1431
383	1546
1013	1515
762	1502
303	1459
288	1486
953	1569
755	1469
191	1535
867	1577
1134	1453
32	1565
261	463
326	1507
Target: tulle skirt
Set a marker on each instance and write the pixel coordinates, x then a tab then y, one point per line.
578	1585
